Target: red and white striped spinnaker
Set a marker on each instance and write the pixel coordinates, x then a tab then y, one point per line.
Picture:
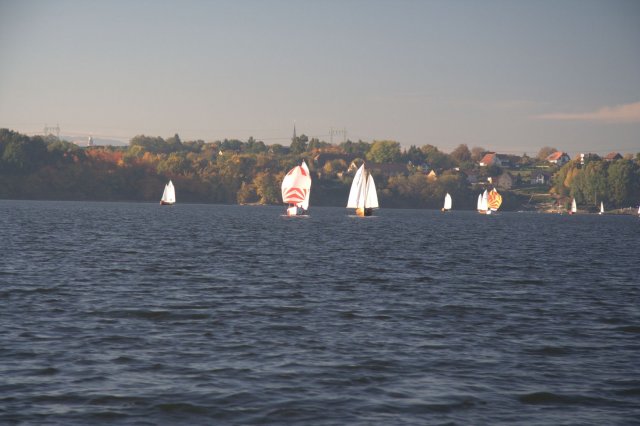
296	186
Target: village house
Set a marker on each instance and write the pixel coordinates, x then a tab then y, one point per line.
493	159
559	158
540	178
612	156
588	157
386	169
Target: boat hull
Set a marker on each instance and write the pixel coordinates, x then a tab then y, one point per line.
364	212
165	203
296	211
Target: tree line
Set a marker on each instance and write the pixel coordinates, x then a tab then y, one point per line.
616	183
233	171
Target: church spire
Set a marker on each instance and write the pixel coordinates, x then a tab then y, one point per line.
294	132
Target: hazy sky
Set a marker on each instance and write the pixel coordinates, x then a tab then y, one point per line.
510	76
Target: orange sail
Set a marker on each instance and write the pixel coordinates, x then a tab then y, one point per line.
494	200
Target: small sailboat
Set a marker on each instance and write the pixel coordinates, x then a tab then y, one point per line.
447	203
494	201
601	208
574	207
363	196
169	195
483	201
296	190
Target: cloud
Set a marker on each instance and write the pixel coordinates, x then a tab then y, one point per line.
626	113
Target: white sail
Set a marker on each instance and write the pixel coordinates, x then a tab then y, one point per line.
601	207
363	194
447	202
574	207
305	203
484	201
371	195
169	194
354	193
479	202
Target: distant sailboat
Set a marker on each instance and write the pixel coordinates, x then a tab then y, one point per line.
447	203
482	202
574	207
296	190
363	196
601	208
169	195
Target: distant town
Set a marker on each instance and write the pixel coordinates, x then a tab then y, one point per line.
250	172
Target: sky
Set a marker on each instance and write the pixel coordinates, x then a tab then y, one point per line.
509	76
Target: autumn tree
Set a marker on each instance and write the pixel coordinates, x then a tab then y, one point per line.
544	152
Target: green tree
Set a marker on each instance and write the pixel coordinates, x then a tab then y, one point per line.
477	153
246	194
315	144
357	149
435	158
415	155
590	184
22	154
299	144
384	151
267	188
157	145
622	183
461	154
174	164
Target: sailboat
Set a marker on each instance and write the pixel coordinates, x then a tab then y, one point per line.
447	203
169	195
494	201
483	200
363	196
601	208
296	190
574	207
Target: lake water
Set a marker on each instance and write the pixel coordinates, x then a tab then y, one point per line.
206	314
